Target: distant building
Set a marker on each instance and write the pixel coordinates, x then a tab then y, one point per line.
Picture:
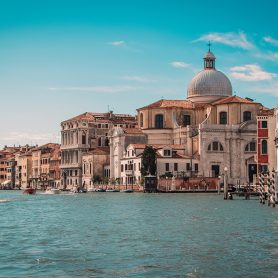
41	157
83	133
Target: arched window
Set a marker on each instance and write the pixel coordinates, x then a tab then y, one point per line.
215	147
141	119
159	121
106	142
223	118
186	120
84	168
264	147
246	116
250	147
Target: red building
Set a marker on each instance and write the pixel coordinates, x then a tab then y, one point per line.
265	142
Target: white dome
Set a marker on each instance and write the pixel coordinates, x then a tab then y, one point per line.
209	84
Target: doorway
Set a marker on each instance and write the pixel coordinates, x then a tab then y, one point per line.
252	170
215	170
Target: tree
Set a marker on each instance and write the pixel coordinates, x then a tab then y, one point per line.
148	161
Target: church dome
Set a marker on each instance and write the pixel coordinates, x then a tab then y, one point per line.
209	84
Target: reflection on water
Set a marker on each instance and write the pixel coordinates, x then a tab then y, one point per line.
136	235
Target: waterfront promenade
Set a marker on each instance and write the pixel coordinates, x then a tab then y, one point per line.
136	235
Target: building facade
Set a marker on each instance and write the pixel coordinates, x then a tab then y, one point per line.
81	134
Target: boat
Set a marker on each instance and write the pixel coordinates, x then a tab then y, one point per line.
30	191
112	190
127	191
100	190
52	191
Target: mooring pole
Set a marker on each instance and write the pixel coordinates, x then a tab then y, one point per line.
225	184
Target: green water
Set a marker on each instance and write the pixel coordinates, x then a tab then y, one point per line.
136	235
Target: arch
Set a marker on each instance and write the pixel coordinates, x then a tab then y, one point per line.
223	117
264	147
250	147
159	121
247	116
141	119
215	146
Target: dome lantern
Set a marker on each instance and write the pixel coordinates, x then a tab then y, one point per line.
209	59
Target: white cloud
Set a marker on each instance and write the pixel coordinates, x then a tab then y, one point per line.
137	78
269	88
29	138
179	64
118	43
272	56
96	89
232	39
251	72
271	40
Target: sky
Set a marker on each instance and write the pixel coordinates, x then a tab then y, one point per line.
61	58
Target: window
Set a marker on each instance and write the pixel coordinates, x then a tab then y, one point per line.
250	147
246	116
106	142
83	139
175	166
84	168
264	124
186	120
215	146
122	167
196	167
167	152
159	121
141	119
264	147
90	168
99	141
188	168
167	167
223	118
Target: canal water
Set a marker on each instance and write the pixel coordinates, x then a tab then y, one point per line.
136	235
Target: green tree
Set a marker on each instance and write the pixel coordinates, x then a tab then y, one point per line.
148	161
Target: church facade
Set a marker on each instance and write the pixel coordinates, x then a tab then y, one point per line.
211	123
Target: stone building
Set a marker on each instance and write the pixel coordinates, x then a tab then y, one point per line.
41	157
170	161
220	127
120	138
83	133
93	165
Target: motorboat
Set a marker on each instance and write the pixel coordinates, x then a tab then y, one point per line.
52	191
30	191
127	191
112	190
100	190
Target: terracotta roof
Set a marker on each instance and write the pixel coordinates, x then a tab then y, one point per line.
91	116
157	146
164	103
234	99
99	150
132	131
266	112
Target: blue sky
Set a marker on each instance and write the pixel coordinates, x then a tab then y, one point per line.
61	58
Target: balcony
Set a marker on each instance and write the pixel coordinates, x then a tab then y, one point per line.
129	172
